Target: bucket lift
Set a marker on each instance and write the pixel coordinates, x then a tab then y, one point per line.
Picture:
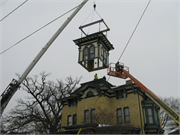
94	48
113	71
124	73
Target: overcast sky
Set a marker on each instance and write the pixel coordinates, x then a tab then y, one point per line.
152	54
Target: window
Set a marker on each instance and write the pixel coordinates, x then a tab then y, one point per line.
152	115
88	53
93	115
149	116
124	95
100	63
75	119
126	115
72	103
69	120
89	94
86	116
103	55
121	94
119	116
156	116
85	53
91	52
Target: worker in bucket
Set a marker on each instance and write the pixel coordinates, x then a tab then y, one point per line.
119	67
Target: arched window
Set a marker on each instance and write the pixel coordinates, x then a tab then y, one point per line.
85	53
92	50
90	94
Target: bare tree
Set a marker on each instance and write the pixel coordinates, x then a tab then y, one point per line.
166	120
105	116
40	113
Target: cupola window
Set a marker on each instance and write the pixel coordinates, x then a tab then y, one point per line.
86	53
103	55
92	52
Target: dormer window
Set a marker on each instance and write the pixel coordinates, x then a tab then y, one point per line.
90	94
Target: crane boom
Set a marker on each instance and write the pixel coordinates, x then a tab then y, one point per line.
124	73
174	115
14	85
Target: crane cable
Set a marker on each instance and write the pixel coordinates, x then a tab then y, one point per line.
134	30
92	13
38	30
13	10
127	43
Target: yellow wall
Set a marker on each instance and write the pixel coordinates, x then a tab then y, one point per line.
104	102
133	101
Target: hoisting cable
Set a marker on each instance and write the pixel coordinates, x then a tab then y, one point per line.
91	21
98	14
127	43
92	13
13	10
87	18
38	30
134	30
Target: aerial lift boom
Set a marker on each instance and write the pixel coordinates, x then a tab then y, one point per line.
14	85
124	73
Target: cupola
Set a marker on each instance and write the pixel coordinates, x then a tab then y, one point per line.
94	48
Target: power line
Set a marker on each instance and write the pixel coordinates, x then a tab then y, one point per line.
37	30
13	11
134	29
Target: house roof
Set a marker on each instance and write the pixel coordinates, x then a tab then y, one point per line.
101	84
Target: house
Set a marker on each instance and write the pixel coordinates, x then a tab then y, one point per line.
98	107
